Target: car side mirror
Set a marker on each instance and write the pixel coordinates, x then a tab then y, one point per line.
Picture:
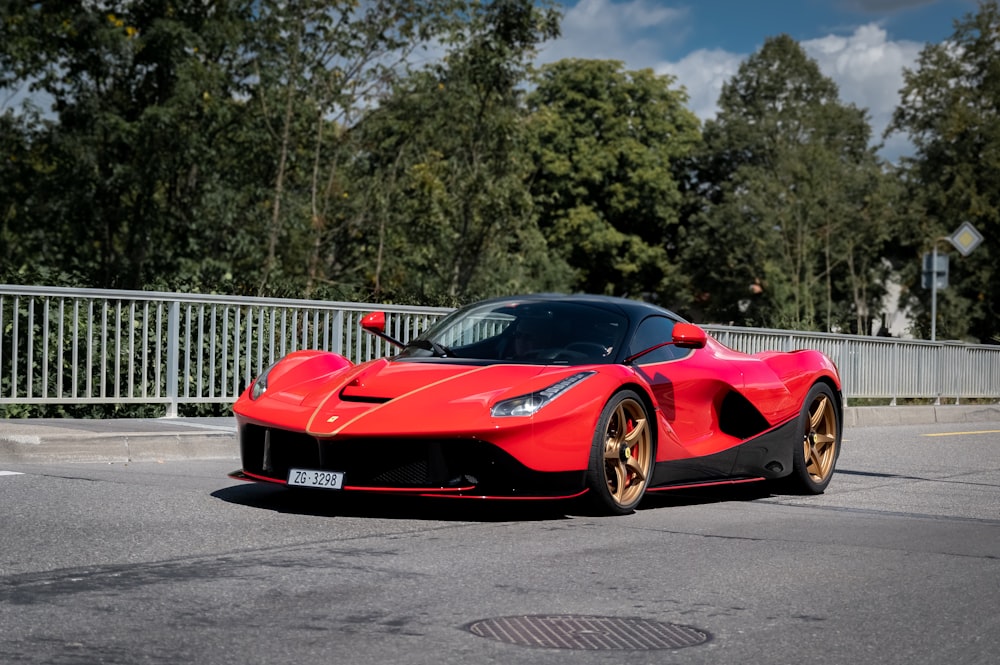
689	336
374	323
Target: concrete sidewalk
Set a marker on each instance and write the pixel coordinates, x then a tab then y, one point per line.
872	416
46	440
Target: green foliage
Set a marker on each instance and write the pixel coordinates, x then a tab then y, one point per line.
140	94
949	111
605	143
317	67
444	209
192	145
790	207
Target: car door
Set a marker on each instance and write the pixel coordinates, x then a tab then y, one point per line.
688	387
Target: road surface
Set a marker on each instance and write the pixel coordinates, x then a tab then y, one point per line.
173	562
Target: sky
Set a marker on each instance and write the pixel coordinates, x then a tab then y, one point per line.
863	45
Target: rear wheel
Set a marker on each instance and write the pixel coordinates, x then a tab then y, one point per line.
622	453
815	456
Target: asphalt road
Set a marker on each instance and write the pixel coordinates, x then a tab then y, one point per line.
172	562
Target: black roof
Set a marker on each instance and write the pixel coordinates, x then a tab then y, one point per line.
633	309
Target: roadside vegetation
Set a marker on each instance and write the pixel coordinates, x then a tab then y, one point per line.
410	152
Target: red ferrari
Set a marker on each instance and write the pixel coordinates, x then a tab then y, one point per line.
544	396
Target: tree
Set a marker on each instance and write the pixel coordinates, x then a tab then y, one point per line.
319	67
140	95
949	110
445	214
789	205
605	145
197	145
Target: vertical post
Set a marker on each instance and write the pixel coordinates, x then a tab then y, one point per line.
173	356
15	313
938	374
934	268
338	332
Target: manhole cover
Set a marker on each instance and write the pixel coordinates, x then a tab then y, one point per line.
591	633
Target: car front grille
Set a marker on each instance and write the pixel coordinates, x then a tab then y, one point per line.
375	462
398	463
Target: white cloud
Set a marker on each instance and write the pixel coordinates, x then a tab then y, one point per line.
866	66
868	69
633	32
703	73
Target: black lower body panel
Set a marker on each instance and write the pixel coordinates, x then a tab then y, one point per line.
434	466
770	454
767	456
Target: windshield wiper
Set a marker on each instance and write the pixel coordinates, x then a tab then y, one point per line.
439	350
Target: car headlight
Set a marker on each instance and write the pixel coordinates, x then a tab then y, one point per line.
526	405
259	386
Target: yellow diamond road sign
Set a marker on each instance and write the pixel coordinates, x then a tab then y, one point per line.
966	238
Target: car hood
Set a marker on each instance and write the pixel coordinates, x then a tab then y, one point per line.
387	398
390	380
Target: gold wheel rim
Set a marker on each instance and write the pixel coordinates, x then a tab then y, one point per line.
819	442
628	451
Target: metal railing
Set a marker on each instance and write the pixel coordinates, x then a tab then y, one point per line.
884	367
92	346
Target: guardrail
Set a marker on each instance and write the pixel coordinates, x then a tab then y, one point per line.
92	346
885	367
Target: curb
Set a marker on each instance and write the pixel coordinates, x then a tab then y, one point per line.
875	416
117	441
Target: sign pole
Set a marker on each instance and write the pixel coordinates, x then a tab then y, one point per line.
934	292
965	239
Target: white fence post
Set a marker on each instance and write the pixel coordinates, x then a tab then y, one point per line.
173	357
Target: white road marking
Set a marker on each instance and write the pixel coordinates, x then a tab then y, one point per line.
11	473
223	428
982	431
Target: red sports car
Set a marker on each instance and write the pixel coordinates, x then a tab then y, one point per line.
544	396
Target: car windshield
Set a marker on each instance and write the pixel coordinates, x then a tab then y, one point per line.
528	331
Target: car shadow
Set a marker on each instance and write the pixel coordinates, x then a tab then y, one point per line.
323	503
697	496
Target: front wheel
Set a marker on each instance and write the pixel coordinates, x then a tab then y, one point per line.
815	455
622	454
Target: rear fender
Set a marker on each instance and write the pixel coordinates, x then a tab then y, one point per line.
799	370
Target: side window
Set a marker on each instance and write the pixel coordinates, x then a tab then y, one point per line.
652	331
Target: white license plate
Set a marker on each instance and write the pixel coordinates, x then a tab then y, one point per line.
331	480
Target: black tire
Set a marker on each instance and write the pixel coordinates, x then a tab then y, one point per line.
622	454
814	456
